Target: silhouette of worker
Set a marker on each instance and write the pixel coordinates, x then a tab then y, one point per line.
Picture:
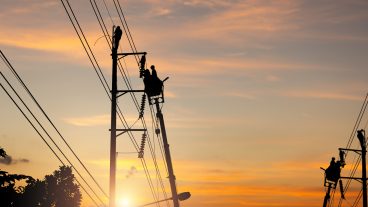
330	170
337	171
147	80
156	82
117	36
153	85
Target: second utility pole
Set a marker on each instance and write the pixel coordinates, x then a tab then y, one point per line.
363	144
114	90
167	156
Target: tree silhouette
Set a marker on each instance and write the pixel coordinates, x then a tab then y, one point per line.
2	152
9	192
61	189
55	190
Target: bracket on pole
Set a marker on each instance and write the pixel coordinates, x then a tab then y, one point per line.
123	92
122	131
124	54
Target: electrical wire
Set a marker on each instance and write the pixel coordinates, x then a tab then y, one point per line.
50	121
108	12
350	141
126	28
131	42
42	127
128	82
357	122
44	140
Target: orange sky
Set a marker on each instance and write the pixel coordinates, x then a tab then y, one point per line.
260	96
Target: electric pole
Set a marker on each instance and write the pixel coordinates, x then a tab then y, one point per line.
327	196
362	140
114	90
114	95
167	156
363	153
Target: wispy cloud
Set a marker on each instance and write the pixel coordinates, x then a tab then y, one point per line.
241	95
8	160
250	18
89	121
322	95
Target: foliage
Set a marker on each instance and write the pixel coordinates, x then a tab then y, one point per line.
61	189
57	189
2	152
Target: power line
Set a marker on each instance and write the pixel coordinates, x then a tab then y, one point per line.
103	27
52	123
33	126
108	12
126	29
11	68
357	122
127	82
350	141
93	61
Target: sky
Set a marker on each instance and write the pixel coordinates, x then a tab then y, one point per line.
260	95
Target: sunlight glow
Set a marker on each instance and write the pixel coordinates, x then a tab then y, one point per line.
124	202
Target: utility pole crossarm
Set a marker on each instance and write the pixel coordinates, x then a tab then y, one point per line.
131	53
353	178
123	92
352	150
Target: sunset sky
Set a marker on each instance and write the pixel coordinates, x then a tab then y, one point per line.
261	93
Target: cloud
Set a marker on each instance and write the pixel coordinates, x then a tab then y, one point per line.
321	95
240	95
161	12
96	120
89	121
273	78
244	21
131	172
8	160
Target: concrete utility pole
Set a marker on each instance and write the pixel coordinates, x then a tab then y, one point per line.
327	196
363	153
114	54
361	137
167	156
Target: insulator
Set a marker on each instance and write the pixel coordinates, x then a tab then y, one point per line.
142	64
143	143
143	104
342	158
341	190
157	131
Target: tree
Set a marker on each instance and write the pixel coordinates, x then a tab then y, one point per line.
9	192
56	190
2	152
61	189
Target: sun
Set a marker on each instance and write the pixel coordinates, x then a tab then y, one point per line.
124	202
